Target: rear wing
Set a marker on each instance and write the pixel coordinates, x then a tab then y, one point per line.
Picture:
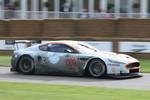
22	44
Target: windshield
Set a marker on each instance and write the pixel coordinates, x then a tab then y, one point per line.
83	47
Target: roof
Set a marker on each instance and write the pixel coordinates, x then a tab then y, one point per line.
69	42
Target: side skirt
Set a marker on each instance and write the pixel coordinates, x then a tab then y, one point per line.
125	76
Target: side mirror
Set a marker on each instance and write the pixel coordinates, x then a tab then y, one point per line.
67	51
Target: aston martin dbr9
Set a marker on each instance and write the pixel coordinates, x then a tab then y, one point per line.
74	58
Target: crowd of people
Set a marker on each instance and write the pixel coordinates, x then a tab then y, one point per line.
9	11
66	8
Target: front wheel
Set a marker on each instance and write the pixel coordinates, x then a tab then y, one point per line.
26	65
96	68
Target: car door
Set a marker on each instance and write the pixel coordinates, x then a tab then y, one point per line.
62	58
42	62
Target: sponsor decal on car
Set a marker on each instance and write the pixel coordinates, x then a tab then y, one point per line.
113	69
71	62
54	59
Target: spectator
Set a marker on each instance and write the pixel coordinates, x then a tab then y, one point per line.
66	7
84	14
9	11
104	14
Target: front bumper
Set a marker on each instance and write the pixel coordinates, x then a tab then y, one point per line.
124	76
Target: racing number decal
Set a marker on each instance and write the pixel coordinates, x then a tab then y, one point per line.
71	62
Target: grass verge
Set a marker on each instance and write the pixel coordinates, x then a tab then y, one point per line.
145	65
23	91
5	60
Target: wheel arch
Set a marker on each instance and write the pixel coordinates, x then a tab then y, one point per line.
88	63
24	55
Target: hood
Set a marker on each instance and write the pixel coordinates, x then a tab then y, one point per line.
116	57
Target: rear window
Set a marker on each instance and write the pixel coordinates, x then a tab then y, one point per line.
43	47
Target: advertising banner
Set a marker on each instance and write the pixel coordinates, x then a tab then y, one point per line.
6	45
137	47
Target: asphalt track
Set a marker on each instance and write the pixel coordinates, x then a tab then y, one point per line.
142	83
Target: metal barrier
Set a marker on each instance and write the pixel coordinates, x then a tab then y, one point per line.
17	14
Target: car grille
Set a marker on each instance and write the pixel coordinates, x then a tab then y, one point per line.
133	65
134	70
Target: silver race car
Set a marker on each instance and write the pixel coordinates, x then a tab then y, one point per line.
73	58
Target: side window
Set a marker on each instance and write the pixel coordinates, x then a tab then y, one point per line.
62	48
43	47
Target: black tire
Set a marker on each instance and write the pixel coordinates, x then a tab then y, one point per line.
96	68
26	65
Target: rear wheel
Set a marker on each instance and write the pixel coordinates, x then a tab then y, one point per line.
26	65
96	68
